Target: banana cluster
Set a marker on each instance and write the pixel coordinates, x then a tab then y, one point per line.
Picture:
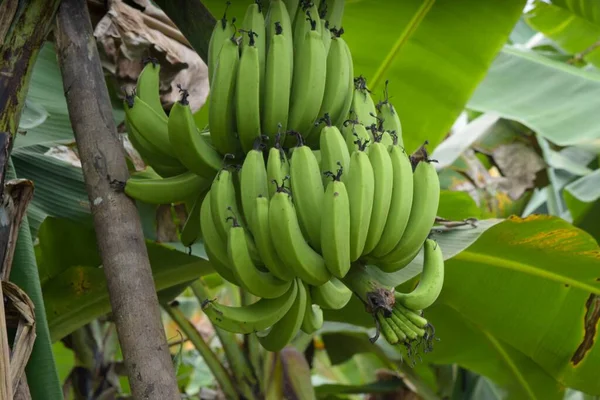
299	178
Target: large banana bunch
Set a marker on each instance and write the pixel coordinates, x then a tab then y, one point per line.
300	180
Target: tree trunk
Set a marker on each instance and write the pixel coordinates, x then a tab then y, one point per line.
119	233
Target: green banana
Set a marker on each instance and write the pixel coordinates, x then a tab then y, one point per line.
334	12
278	167
333	150
397	330
353	131
317	154
432	280
290	244
292	7
402	197
308	84
306	19
386	113
222	31
190	232
278	84
215	247
264	242
253	317
313	315
247	95
335	227
149	124
147	173
361	191
253	180
363	108
332	295
259	283
221	113
325	35
349	95
411	331
166	190
223	202
383	174
426	197
254	21
190	147
307	190
386	329
278	13
282	332
412	315
148	86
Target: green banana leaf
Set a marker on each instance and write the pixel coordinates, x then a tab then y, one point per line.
433	52
520	306
581	198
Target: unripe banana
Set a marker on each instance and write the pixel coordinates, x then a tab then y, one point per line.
335	227
222	31
332	295
432	280
402	197
148	86
307	191
216	248
190	232
334	12
409	333
278	167
147	173
247	95
426	197
397	330
253	180
361	190
325	35
383	174
264	242
386	329
386	113
333	151
308	85
307	14
290	244
223	202
259	283
344	113
278	84
363	108
278	13
190	146
282	332
313	315
221	112
412	315
255	21
166	190
253	317
149	124
292	7
353	131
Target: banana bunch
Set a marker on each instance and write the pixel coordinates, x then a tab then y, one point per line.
300	179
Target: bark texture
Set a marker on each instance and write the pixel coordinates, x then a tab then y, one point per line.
120	239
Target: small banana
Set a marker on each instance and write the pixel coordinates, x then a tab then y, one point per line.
282	332
307	14
335	226
222	31
253	179
254	21
409	329
426	197
386	329
432	280
278	84
363	108
344	113
278	13
290	244
190	232
334	12
264	242
221	113
402	197
307	191
383	174
412	315
190	147
247	95
278	166
149	124
386	113
313	315
252	318
216	248
166	190
148	86
333	150
397	329
308	84
361	191
223	202
332	295
353	131
259	283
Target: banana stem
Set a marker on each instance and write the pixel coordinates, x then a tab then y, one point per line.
376	296
219	372
235	356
